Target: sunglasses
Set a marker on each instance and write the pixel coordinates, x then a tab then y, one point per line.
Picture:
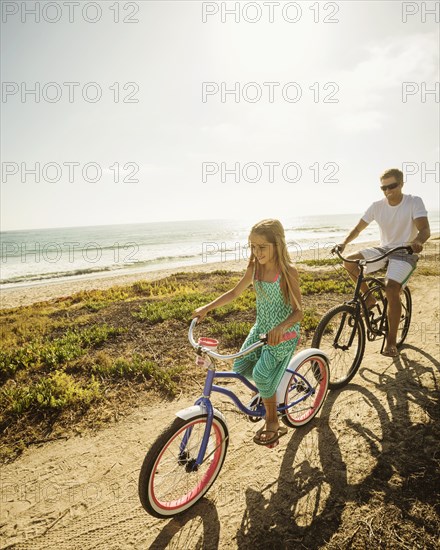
390	186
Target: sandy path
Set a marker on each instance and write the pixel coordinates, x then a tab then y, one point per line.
82	493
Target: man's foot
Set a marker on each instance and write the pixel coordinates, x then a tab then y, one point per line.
390	351
269	434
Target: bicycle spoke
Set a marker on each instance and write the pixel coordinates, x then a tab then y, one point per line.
171	480
306	391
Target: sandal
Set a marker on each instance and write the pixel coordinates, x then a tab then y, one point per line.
282	430
392	352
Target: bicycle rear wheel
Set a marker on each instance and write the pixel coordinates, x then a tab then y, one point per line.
307	389
170	482
377	288
405	316
340	334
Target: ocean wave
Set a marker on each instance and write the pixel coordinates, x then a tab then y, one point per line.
56	275
53	275
320	229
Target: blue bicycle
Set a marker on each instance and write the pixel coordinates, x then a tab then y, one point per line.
185	460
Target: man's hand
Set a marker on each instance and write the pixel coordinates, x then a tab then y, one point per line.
416	246
339	247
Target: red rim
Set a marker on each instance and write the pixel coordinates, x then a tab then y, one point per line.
318	397
186	499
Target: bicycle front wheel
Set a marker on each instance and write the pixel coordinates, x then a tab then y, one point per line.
341	336
170	481
306	391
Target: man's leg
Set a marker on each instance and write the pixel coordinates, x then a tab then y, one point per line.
398	273
354	272
392	290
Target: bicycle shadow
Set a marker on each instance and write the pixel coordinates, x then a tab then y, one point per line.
318	484
293	514
199	527
316	489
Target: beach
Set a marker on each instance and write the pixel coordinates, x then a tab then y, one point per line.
364	472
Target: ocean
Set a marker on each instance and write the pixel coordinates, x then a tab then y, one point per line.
46	255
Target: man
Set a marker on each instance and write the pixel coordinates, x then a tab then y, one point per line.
402	220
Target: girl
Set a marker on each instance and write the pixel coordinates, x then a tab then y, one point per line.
279	313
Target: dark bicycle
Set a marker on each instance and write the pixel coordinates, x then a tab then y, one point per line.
341	332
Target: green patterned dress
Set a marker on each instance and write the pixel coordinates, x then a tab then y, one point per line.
267	364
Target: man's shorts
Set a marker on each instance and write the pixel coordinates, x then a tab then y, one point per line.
400	264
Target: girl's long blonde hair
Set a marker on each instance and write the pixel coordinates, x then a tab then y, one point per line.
273	232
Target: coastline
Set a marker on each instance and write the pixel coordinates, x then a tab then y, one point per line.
26	295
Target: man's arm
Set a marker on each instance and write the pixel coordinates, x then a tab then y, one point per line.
424	232
362	224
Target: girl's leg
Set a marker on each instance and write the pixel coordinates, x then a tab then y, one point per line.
244	366
272	425
267	375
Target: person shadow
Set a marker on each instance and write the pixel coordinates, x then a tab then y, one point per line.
199	527
316	488
318	485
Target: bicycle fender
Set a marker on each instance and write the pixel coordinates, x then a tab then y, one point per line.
293	365
195	410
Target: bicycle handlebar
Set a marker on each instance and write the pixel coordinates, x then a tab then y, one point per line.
335	250
213	354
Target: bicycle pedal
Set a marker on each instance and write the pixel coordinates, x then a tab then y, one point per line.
254	404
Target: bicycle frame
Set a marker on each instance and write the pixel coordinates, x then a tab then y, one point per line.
205	400
359	302
358	299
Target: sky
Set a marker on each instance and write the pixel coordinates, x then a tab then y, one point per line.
184	110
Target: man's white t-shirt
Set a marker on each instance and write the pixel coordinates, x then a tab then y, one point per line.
396	223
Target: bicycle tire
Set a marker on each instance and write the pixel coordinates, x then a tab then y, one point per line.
341	322
315	371
406	313
168	485
405	317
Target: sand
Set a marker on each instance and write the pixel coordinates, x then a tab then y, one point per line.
331	484
339	477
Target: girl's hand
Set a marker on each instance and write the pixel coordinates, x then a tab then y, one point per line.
200	312
275	336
